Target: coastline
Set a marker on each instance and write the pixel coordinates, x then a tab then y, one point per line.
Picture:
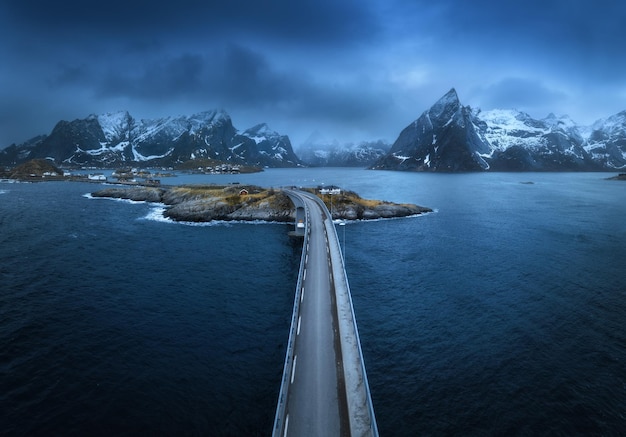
205	203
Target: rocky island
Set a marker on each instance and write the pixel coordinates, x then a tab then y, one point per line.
619	177
204	203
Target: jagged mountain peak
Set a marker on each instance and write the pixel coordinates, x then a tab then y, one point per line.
560	122
451	96
112	115
206	118
260	129
510	120
453	137
213	115
615	121
115	124
261	132
443	138
446	106
318	151
117	139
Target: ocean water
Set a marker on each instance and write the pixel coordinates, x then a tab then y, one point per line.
502	313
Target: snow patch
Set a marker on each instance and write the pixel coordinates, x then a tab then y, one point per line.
104	149
139	157
507	128
257	139
401	157
114	124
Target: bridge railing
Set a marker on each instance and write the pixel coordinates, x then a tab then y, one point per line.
357	385
360	407
279	419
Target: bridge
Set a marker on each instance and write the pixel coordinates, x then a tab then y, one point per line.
324	389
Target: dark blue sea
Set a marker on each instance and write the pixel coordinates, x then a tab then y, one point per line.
503	313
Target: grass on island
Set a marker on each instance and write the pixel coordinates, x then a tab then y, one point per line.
240	194
346	198
231	194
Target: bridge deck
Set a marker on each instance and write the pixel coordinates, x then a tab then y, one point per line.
314	399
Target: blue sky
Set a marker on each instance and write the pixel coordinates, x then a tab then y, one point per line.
351	69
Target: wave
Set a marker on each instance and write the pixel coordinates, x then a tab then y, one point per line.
156	214
115	199
384	219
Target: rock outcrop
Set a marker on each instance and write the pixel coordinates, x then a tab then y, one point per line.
619	177
250	203
34	170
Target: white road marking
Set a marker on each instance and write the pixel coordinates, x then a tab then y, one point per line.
299	321
304	275
293	368
302	295
286	425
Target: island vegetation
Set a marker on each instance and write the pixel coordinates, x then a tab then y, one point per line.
34	170
204	203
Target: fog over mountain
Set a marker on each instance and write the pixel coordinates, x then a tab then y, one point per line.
318	151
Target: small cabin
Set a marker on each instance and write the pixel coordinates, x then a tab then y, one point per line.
331	191
243	192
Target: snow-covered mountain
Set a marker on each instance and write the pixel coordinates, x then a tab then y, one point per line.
453	137
606	141
118	139
317	151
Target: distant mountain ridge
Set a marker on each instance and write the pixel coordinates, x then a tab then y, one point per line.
317	151
118	139
450	137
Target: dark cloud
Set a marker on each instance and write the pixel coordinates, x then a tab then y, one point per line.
229	75
180	76
350	65
580	23
71	75
519	93
585	36
305	21
235	76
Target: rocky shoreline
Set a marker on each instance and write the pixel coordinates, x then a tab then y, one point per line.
206	203
619	177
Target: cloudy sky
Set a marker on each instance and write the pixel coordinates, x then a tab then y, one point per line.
350	69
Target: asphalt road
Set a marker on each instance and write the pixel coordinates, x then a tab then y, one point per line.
316	404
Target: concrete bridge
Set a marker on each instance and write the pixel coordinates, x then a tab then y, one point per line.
324	390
